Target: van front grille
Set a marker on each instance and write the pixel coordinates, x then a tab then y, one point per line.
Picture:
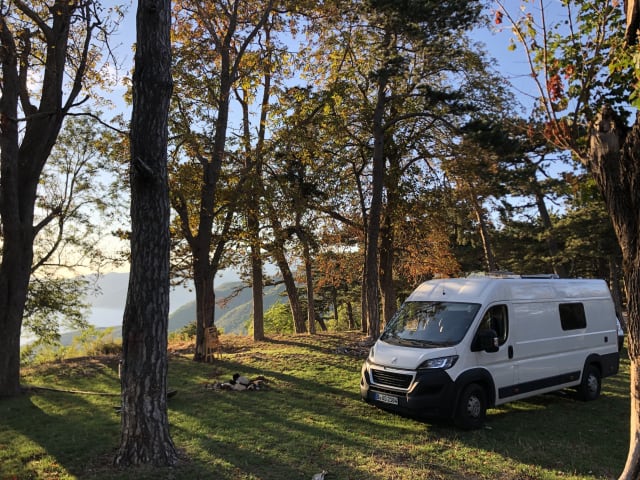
391	379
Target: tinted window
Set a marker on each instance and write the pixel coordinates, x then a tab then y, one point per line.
496	319
572	316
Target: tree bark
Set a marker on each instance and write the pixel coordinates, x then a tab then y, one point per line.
615	164
203	278
257	291
616	290
16	264
387	287
144	422
308	270
292	291
484	232
375	209
352	322
278	252
23	154
253	204
552	242
632	466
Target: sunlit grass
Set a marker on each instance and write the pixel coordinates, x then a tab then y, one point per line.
310	419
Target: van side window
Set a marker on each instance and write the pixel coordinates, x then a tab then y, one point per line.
572	316
496	319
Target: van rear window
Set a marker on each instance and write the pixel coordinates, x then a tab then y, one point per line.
572	316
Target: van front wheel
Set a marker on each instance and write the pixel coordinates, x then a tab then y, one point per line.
591	383
472	407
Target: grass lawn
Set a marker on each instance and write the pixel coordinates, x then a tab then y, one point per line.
310	419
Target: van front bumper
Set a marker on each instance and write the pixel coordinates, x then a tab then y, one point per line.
430	394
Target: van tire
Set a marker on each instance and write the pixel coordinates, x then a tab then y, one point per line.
591	384
471	410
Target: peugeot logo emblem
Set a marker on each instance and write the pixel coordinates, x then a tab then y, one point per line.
394	360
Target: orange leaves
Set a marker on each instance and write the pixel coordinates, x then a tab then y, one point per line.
555	88
558	132
569	71
498	17
556	84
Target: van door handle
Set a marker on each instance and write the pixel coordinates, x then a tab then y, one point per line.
510	351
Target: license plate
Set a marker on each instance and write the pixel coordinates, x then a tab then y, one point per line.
381	397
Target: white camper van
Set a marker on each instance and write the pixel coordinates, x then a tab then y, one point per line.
459	346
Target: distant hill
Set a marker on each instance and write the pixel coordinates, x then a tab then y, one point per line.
107	305
108	301
233	317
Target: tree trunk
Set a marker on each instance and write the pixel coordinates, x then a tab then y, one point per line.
14	281
278	252
632	467
292	291
334	303
144	423
615	164
16	262
253	228
253	161
387	287
352	323
257	288
484	232
308	270
552	243
203	278
616	291
23	154
364	325
373	228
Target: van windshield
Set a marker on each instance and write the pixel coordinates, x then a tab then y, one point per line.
430	324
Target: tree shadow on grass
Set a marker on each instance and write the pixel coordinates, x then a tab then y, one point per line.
59	434
557	432
292	430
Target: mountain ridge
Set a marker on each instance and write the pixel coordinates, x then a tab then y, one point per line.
108	301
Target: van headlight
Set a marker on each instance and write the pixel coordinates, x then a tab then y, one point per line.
440	362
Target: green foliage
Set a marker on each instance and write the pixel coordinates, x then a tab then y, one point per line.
428	19
55	303
186	332
341	324
277	320
40	352
93	341
89	342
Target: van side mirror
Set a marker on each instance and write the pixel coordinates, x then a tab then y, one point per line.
488	340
